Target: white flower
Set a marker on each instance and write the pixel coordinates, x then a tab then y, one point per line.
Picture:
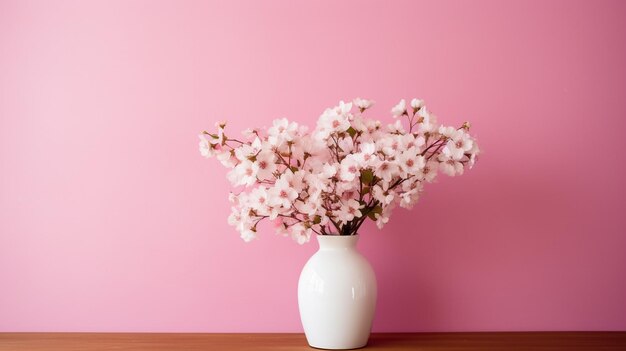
381	195
474	153
257	145
450	165
282	194
244	153
314	186
428	172
349	168
452	151
410	162
226	158
386	171
282	127
363	104
244	173
347	190
300	233
368	148
399	109
233	198
218	139
463	141
390	145
447	131
409	140
367	126
274	211
250	133
206	149
344	108
367	154
235	216
383	218
281	227
248	235
306	146
330	122
308	207
411	191
258	201
426	122
280	131
459	142
396	128
348	211
416	104
328	171
240	219
346	144
409	198
294	180
266	161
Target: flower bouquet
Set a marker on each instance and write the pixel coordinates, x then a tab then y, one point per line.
332	179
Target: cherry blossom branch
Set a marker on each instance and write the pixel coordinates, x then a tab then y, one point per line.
370	207
379	168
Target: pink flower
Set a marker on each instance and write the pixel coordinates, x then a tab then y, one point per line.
383	218
386	171
427	122
428	172
266	163
259	201
416	104
449	164
282	194
399	109
331	122
349	169
363	104
281	131
244	173
409	162
206	149
300	233
348	211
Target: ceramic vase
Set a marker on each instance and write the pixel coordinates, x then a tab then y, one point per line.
337	295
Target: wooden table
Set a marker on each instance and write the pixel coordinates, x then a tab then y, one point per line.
596	341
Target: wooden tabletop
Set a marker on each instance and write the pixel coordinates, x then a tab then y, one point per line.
596	341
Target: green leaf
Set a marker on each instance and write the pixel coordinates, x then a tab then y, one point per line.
351	131
317	220
374	211
367	176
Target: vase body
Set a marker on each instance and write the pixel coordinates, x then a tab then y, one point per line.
337	295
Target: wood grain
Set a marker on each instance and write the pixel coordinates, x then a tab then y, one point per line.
597	341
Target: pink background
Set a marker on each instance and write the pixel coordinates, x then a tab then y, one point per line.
111	221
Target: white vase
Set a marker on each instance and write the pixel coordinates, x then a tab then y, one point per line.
337	295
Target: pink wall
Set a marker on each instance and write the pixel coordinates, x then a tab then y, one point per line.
111	221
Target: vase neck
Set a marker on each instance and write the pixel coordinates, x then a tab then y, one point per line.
336	242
